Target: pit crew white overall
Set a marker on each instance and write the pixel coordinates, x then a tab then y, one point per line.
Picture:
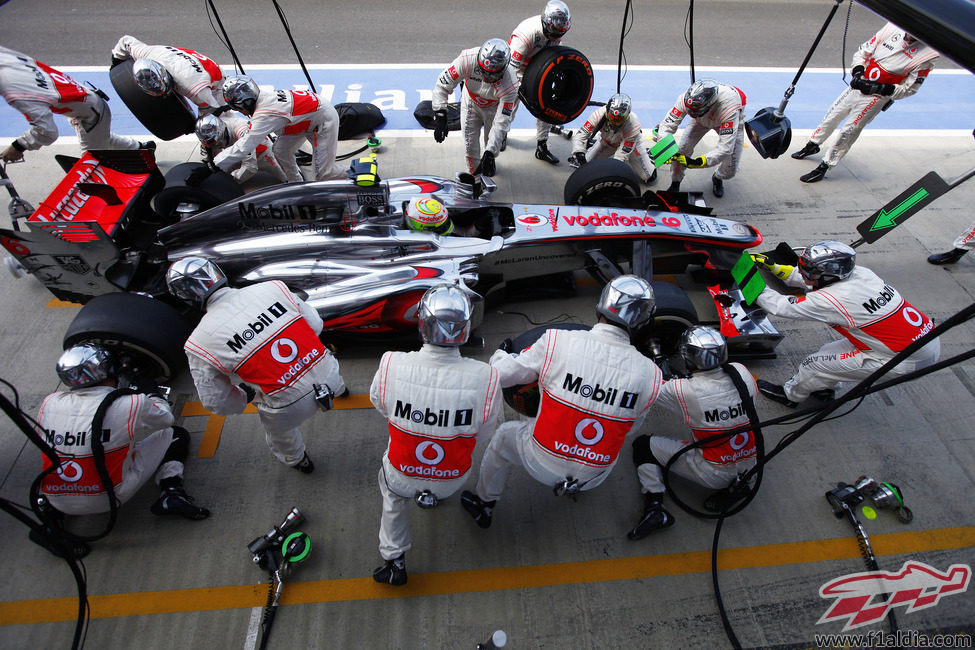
709	404
526	40
38	91
726	118
483	104
439	405
874	319
196	77
885	60
268	338
624	142
140	432
262	159
595	389
296	116
966	240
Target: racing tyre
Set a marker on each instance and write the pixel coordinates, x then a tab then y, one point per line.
166	117
525	398
674	313
602	182
219	187
146	332
557	84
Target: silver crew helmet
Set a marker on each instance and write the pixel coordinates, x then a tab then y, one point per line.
241	93
700	97
493	58
627	301
444	315
555	20
152	77
193	279
85	364
618	109
702	348
212	131
826	262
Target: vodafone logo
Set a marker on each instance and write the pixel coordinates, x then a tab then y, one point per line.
426	447
739	441
70	471
284	350
589	431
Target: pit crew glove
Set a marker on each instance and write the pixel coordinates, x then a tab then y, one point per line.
578	159
250	392
886	89
486	167
198	175
440	126
116	60
781	271
697	163
858	71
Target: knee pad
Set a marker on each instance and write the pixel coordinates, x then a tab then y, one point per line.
641	451
179	448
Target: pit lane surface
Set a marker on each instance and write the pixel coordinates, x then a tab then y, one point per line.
551	572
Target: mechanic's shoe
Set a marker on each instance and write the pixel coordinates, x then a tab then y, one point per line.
655	517
175	501
824	395
717	186
393	572
345	393
810	149
775	393
950	257
815	175
674	187
148	145
305	466
542	153
482	511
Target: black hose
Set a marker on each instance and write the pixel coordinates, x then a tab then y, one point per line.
226	39
287	29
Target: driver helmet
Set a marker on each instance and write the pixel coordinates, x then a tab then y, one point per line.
86	364
152	77
212	131
444	315
700	97
618	109
826	262
702	348
193	279
424	214
555	20
493	58
241	94
627	301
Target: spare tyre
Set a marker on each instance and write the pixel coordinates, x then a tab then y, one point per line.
557	84
603	182
219	187
166	117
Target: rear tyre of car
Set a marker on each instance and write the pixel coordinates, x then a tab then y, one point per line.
219	187
557	84
602	182
166	117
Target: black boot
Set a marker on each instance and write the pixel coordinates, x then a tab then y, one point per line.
482	511
775	392
305	466
950	257
815	175
175	501
542	153
392	572
674	187
810	149
717	186
655	516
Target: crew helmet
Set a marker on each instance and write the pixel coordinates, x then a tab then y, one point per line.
212	131
628	301
555	20
493	58
700	97
241	93
152	77
85	364
428	215
826	262
444	315
702	348
193	279
618	109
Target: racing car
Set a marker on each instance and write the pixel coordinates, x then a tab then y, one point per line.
108	232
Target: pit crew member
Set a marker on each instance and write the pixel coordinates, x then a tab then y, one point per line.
618	134
218	133
963	243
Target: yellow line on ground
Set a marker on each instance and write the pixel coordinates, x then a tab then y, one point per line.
54	303
26	612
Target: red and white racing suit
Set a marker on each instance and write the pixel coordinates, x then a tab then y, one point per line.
595	389
262	159
296	116
726	118
966	240
885	60
38	91
268	338
874	319
139	433
624	142
527	39
483	104
196	77
439	405
709	404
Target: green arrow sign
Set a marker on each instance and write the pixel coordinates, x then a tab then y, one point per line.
889	219
902	207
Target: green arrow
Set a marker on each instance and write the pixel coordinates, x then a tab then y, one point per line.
889	219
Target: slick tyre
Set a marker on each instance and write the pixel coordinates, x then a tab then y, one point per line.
166	117
219	187
603	182
525	398
142	330
673	315
557	84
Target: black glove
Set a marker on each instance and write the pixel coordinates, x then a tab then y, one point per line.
858	71
116	60
506	345
867	87
250	392
886	89
697	163
486	166
440	126
580	158
198	175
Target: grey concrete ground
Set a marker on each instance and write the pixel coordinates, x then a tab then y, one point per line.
551	572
